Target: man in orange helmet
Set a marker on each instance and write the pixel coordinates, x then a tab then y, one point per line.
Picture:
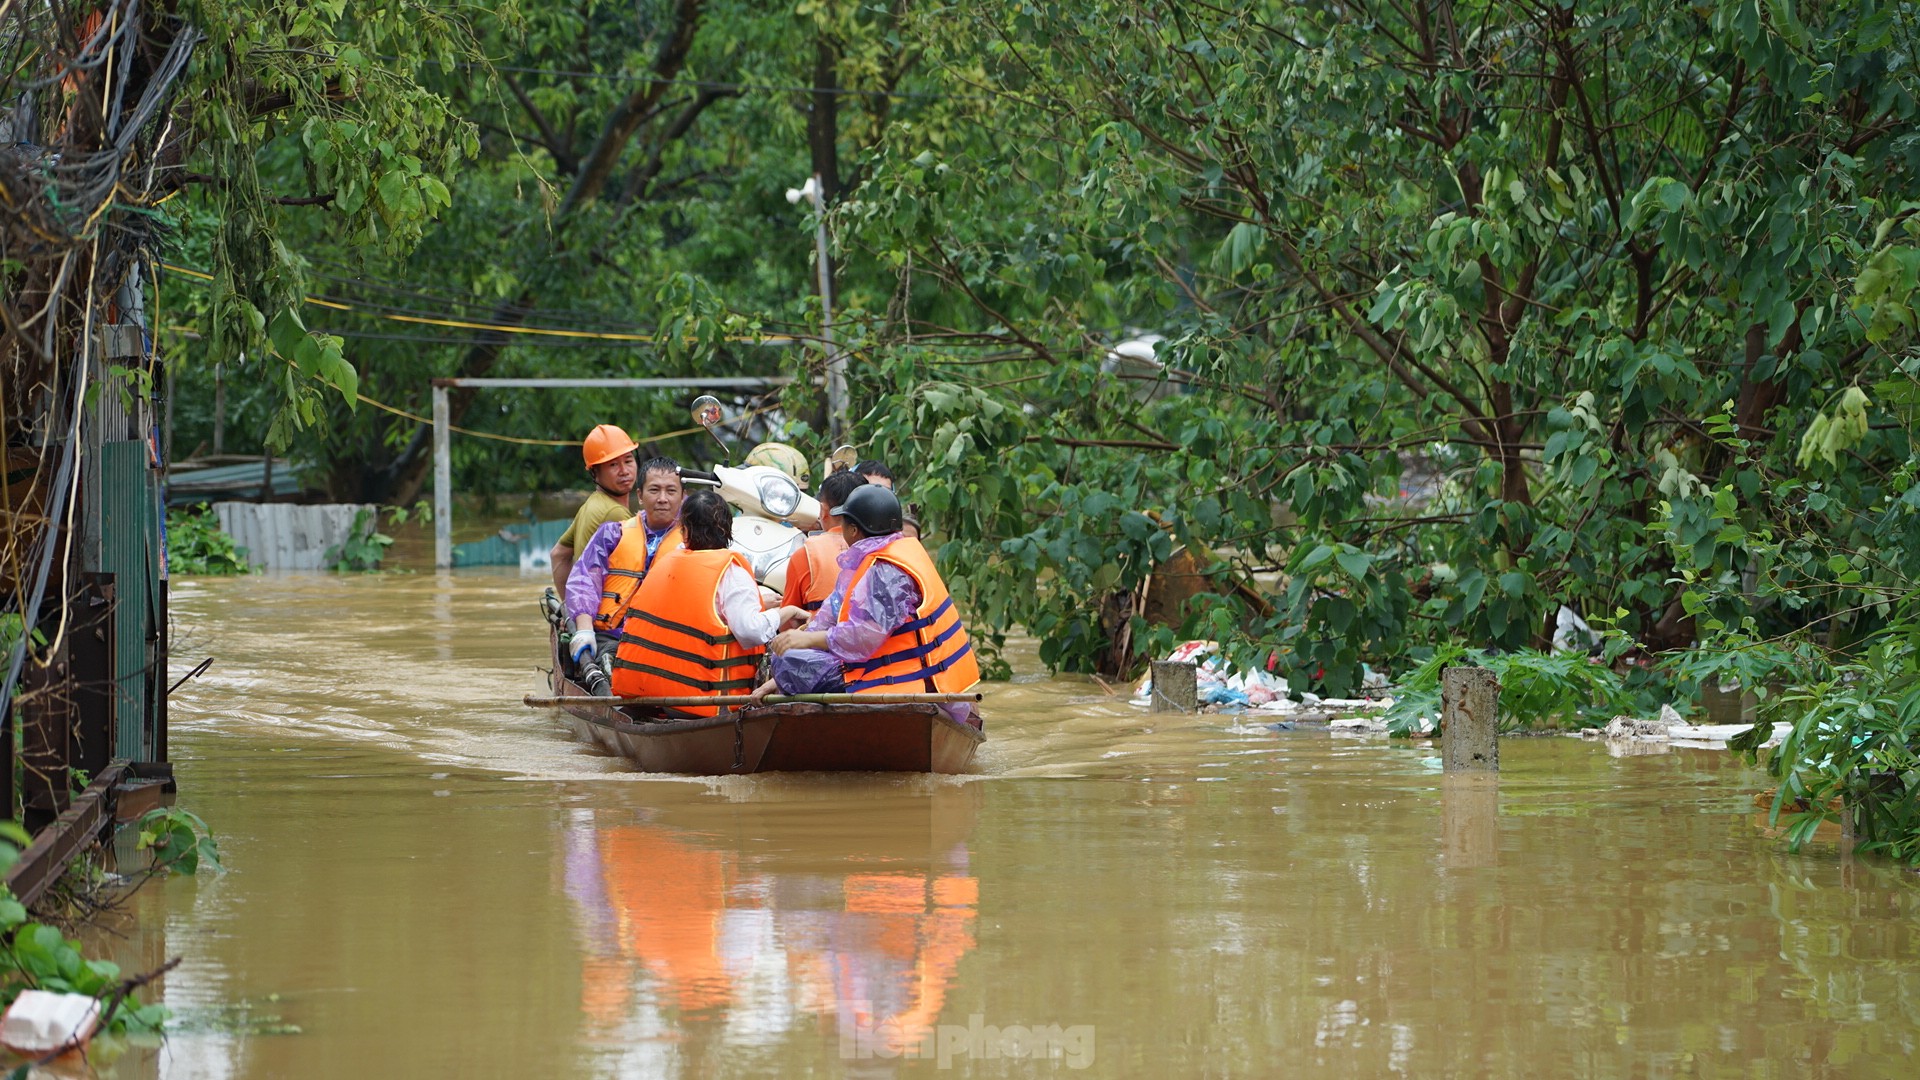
607	575
609	456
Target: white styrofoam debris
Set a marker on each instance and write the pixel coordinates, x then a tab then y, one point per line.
41	1021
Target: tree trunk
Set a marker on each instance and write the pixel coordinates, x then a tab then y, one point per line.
823	119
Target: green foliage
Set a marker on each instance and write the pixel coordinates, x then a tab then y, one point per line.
196	544
321	102
685	239
364	547
1592	353
179	840
1537	690
38	956
1854	750
1587	305
10	626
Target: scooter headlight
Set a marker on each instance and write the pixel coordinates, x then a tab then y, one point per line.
779	495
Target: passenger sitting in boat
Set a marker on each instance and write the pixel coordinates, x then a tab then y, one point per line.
610	568
609	456
696	626
889	625
813	568
876	472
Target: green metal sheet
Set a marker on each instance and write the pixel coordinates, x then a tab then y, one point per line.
513	546
130	550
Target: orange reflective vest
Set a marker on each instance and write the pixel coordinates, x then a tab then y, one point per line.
929	652
823	567
626	568
675	644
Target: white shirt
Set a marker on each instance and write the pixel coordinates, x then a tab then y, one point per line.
739	603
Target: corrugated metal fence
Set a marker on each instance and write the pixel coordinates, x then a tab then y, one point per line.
287	536
129	529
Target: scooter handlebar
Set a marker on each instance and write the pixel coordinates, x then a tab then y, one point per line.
698	474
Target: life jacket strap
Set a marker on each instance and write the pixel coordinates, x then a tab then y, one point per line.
709	685
914	653
679	628
928	619
691	658
916	675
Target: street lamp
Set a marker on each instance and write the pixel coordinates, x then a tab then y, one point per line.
836	362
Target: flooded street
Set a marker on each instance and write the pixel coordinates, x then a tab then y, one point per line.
428	879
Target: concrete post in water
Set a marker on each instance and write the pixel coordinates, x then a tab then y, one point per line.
1176	687
442	484
1469	719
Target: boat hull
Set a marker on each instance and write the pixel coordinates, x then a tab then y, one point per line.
792	737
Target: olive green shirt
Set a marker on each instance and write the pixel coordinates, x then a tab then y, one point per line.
599	509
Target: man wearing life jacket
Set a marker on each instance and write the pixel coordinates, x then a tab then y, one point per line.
610	568
814	567
696	628
608	452
889	625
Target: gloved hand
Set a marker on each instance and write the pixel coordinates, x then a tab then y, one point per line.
581	647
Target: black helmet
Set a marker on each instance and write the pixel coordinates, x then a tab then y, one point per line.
872	507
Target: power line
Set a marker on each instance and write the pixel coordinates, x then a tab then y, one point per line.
732	87
440	319
451	342
428	295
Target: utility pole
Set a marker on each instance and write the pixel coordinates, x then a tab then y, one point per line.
836	360
442	479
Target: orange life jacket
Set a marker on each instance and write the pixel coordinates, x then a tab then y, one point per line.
675	644
929	652
626	567
823	566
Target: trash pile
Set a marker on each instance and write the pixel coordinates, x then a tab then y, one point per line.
1251	690
1671	729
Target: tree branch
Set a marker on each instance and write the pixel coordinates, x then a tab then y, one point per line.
325	199
562	153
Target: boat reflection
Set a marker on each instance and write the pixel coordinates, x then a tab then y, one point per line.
810	912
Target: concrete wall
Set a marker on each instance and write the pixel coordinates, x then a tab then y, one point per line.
287	536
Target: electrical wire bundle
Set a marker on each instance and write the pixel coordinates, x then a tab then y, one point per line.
86	122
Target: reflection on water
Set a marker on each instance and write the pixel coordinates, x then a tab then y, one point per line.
731	941
429	879
1470	813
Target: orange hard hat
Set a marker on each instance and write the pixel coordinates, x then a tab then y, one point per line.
605	443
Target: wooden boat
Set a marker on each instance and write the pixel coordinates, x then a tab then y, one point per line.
789	737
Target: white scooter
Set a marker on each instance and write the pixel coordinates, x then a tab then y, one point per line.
774	514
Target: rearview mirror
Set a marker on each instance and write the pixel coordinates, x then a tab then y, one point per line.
842	459
706	410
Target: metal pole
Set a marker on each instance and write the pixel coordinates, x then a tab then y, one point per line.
442	484
836	361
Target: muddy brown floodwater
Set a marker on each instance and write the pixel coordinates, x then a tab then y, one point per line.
428	879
